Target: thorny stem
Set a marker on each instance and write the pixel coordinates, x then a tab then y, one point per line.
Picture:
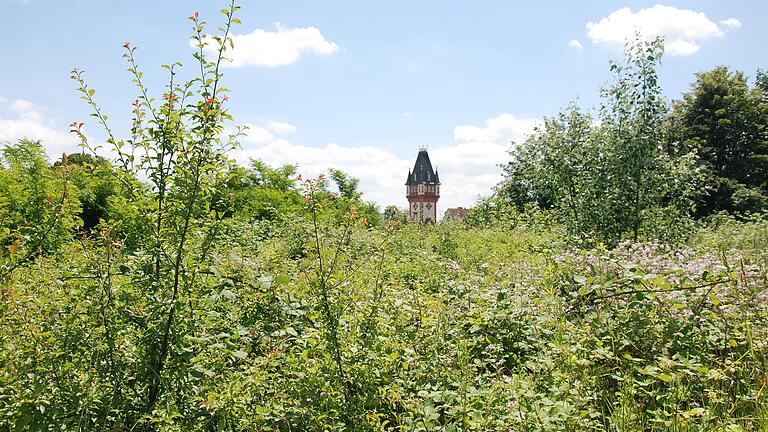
208	130
657	291
330	318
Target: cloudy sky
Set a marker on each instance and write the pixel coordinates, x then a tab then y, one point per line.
360	85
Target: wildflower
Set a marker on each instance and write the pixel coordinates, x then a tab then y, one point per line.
763	296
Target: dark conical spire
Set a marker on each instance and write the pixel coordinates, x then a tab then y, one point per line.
422	171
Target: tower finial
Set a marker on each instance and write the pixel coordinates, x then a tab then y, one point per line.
423	147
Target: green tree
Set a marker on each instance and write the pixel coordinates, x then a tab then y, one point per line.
259	192
282	178
38	203
95	186
611	180
348	185
350	196
557	168
392	213
726	121
632	118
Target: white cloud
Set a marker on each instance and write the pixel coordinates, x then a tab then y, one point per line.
258	134
281	47
683	29
25	109
267	133
280	127
468	168
21	118
21	105
499	130
731	22
573	43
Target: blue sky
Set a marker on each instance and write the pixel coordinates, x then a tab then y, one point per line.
360	85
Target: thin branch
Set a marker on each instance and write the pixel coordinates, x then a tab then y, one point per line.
658	291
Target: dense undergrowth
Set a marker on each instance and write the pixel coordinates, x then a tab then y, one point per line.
407	327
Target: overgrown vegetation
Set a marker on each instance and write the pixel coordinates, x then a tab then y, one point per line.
643	168
158	286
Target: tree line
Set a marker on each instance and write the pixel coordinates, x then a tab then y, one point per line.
641	166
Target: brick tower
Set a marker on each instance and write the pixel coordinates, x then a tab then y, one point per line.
422	190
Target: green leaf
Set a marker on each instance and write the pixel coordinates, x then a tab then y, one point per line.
667	378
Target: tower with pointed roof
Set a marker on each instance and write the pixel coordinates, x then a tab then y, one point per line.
422	189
